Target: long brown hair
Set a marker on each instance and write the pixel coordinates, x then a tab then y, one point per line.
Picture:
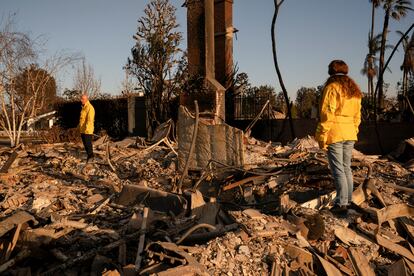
338	71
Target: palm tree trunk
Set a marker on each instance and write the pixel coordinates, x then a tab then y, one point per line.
371	52
404	88
372	21
279	74
371	84
382	58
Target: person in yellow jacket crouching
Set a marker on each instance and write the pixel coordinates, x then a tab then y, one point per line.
340	116
86	126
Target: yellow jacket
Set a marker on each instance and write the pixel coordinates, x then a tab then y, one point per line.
87	118
340	116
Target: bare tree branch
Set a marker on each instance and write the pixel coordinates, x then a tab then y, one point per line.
19	56
85	80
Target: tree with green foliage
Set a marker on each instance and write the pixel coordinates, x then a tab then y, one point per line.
307	101
38	82
280	104
266	92
242	85
157	60
71	94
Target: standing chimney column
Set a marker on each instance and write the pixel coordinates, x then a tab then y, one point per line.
201	54
224	31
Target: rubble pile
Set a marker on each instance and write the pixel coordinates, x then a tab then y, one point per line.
124	214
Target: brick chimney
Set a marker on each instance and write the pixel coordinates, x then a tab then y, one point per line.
223	28
202	45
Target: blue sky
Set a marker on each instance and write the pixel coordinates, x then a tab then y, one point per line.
309	35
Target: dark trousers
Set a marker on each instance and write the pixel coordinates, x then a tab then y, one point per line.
87	143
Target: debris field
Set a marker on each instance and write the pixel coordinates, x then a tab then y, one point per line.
125	214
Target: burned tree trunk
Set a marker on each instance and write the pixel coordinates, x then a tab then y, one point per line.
279	74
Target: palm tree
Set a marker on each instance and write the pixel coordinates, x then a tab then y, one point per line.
370	68
395	9
369	60
408	64
375	4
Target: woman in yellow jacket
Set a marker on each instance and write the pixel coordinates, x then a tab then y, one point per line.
340	116
86	126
